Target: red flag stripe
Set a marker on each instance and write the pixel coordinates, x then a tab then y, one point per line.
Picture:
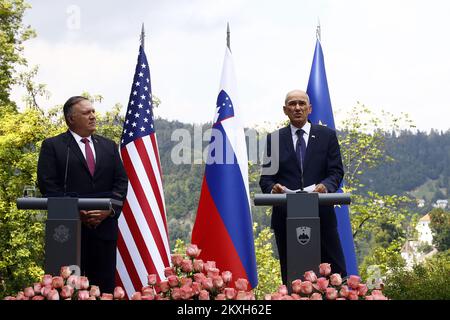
140	147
138	239
141	196
128	262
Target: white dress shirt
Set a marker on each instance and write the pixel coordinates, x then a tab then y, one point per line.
81	144
306	128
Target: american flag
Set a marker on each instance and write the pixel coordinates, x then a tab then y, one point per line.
143	242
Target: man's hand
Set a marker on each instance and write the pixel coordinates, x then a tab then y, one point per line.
320	188
278	188
94	217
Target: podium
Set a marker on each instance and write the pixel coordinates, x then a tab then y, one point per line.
302	227
63	227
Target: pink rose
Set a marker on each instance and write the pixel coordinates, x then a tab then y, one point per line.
169	272
242	295
94	291
148	297
325	269
369	297
199	277
352	295
107	296
221	296
84	283
57	282
336	279
286	297
341	299
296	285
38	298
186	292
204	295
164	286
241	284
65	272
136	296
176	294
310	276
209	265
173	281
295	296
37	288
331	294
147	291
344	291
21	296
186	282
28	292
267	296
227	276
45	290
304	298
322	284
250	295
119	293
213	272
306	287
47	280
192	251
316	296
276	296
217	282
151	279
353	282
230	293
186	266
378	295
198	265
362	290
207	284
74	281
83	295
196	288
282	290
176	259
67	292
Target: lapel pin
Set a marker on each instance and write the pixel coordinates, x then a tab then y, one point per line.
313	136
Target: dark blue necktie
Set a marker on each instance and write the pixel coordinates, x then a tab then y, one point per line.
300	148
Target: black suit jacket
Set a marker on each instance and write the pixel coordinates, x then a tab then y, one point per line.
323	164
109	180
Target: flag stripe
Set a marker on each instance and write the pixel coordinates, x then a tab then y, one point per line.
145	231
127	285
152	149
146	199
146	162
129	269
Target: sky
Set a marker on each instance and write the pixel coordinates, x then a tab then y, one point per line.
388	55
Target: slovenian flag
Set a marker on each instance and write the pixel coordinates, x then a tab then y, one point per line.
223	226
323	114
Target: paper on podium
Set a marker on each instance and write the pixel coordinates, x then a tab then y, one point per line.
308	189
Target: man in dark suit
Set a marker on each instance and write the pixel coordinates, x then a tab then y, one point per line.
79	163
315	150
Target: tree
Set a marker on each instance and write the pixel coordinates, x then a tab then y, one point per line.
12	35
440	227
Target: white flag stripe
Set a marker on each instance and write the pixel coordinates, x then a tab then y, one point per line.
150	196
133	250
152	155
145	231
124	277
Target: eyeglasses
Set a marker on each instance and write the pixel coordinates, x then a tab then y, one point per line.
294	103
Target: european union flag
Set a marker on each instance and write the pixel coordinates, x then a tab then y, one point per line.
322	113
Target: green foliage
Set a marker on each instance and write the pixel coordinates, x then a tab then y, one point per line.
428	281
12	35
269	274
440	227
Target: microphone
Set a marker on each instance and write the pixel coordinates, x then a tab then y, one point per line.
66	170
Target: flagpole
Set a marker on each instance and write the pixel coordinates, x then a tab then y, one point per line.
318	31
228	36
143	36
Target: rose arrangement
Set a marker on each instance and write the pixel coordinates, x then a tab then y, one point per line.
328	286
66	287
190	278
